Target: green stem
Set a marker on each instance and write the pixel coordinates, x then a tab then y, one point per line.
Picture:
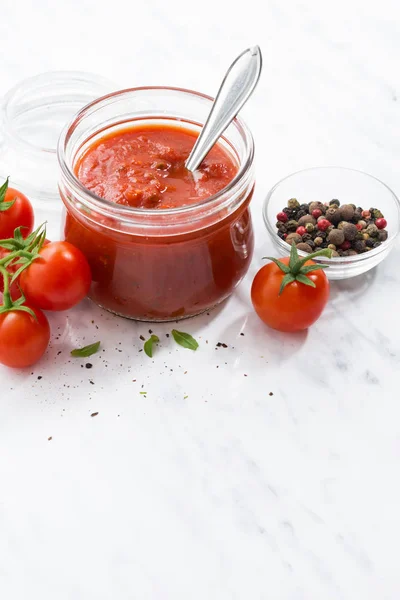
10	257
325	252
7	302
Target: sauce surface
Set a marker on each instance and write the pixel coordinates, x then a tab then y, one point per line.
144	167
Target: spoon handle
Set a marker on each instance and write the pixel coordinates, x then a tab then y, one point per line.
236	88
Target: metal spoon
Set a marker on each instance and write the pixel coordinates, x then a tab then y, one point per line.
236	88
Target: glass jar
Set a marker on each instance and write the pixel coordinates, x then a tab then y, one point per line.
158	265
32	116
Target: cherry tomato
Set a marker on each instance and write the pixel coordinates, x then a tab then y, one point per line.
298	306
23	339
57	280
20	214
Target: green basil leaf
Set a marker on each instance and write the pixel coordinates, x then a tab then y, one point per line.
185	339
148	345
86	350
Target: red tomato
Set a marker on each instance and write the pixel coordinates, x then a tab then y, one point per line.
57	280
23	339
20	214
298	306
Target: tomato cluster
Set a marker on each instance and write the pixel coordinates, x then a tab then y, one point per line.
35	275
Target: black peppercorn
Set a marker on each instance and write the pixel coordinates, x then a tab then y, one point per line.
369	242
376	244
335	202
382	235
359	245
280	226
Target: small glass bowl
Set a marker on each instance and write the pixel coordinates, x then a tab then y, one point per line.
350	187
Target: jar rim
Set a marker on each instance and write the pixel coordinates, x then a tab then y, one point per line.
129	211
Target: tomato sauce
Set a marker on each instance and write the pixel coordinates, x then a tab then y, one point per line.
156	277
145	168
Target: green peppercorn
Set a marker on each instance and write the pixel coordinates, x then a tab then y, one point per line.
318	241
372	230
336	236
376	214
362	223
331	246
365	236
292	225
293	203
309	227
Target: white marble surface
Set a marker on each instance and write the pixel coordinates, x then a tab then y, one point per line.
207	486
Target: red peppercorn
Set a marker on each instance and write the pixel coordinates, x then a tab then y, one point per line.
281	216
366	214
316	213
381	223
323	224
285	236
359	227
346	245
301	230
